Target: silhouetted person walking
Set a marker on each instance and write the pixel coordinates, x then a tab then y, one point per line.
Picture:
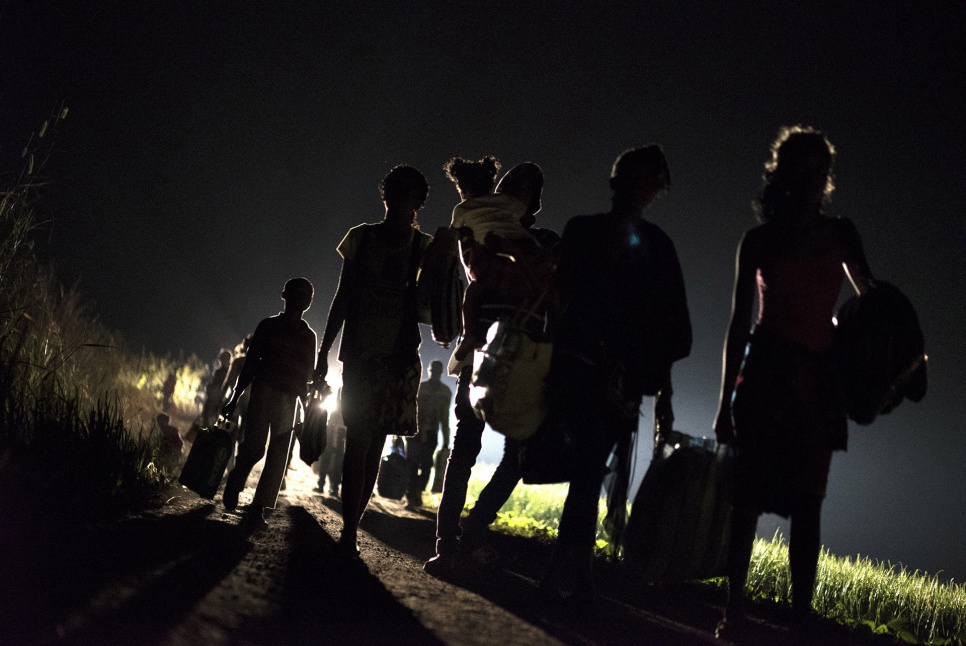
433	400
623	322
784	420
518	194
277	368
375	307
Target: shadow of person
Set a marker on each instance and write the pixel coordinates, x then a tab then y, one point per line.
122	584
327	598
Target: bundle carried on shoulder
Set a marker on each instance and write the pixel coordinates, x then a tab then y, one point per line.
880	353
508	386
678	528
440	287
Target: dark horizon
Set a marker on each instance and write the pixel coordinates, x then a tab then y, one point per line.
209	156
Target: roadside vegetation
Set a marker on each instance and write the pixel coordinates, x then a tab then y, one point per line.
868	595
77	409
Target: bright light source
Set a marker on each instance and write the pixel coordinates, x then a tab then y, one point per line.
331	402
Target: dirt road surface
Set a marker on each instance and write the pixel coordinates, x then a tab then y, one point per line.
187	573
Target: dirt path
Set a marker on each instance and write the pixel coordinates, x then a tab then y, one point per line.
188	574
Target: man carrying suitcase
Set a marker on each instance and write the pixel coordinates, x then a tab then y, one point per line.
278	368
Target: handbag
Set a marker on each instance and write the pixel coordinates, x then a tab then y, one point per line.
311	433
208	459
680	521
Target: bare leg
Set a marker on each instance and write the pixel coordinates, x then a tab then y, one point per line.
360	468
803	552
744	523
373	460
353	482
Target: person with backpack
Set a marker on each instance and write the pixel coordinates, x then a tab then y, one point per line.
500	295
622	321
779	408
278	367
377	310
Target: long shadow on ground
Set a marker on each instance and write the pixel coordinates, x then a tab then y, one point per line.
630	610
330	599
127	583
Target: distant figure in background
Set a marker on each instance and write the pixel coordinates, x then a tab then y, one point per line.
330	464
376	308
278	368
171	444
215	390
167	393
241	408
433	400
623	321
783	417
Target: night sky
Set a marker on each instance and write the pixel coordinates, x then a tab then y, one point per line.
215	149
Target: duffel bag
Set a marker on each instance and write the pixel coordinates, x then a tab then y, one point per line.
679	523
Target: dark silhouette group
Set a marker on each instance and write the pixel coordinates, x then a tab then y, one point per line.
609	296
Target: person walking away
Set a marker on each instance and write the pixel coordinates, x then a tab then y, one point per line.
432	405
519	193
784	419
330	463
167	393
215	390
171	444
278	367
623	321
376	309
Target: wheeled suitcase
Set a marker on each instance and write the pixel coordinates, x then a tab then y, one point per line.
206	463
679	524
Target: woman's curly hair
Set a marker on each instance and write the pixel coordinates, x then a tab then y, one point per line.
791	146
473	178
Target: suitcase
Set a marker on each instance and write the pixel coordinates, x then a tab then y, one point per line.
206	463
679	523
393	476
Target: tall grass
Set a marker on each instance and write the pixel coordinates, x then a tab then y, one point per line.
76	409
859	592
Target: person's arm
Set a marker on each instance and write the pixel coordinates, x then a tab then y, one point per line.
739	330
333	325
252	358
676	329
856	266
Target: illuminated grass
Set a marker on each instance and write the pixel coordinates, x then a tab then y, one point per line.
856	591
77	410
